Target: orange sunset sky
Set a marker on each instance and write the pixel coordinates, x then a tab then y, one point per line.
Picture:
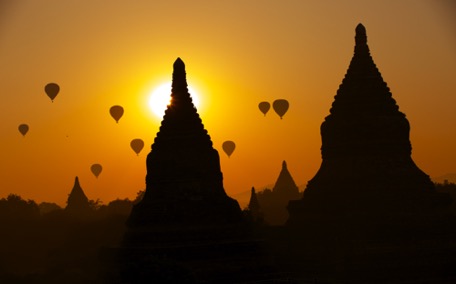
237	53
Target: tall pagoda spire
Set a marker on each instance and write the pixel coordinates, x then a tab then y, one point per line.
179	85
181	115
185	209
366	152
364	111
183	167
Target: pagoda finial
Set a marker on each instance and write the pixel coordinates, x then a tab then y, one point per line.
284	164
179	64
361	35
179	77
254	205
76	181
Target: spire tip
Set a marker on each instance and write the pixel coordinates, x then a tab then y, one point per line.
179	63
361	35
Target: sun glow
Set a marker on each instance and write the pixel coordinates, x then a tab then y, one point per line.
160	98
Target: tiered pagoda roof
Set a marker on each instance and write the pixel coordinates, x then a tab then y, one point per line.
285	185
366	152
77	202
184	182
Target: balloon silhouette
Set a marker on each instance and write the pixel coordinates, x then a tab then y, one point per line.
280	107
228	147
23	129
52	89
116	112
137	145
264	107
96	169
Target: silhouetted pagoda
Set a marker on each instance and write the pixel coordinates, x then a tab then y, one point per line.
369	215
285	187
253	203
77	203
254	208
367	169
184	183
274	203
186	228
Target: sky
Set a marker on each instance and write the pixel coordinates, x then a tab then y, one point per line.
237	53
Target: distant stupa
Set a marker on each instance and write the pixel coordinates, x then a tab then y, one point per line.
367	169
184	182
77	203
274	203
254	207
285	186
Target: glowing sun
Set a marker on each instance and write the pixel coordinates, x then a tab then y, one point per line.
160	98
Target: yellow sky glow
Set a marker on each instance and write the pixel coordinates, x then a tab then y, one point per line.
160	98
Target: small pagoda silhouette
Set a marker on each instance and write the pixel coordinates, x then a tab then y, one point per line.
254	208
274	202
78	204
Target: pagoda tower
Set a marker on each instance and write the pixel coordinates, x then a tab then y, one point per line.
274	203
366	168
184	182
185	229
254	207
285	187
77	203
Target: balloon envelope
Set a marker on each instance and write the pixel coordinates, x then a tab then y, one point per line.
264	107
52	89
23	129
280	107
137	145
116	112
228	147
96	169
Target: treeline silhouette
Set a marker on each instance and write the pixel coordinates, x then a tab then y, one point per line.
44	243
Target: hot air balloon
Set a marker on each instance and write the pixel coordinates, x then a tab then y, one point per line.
228	147
23	129
264	107
116	112
137	145
96	169
52	89
280	107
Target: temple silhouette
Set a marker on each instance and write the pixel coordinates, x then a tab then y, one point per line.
273	203
254	208
77	203
186	228
367	171
369	215
184	183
